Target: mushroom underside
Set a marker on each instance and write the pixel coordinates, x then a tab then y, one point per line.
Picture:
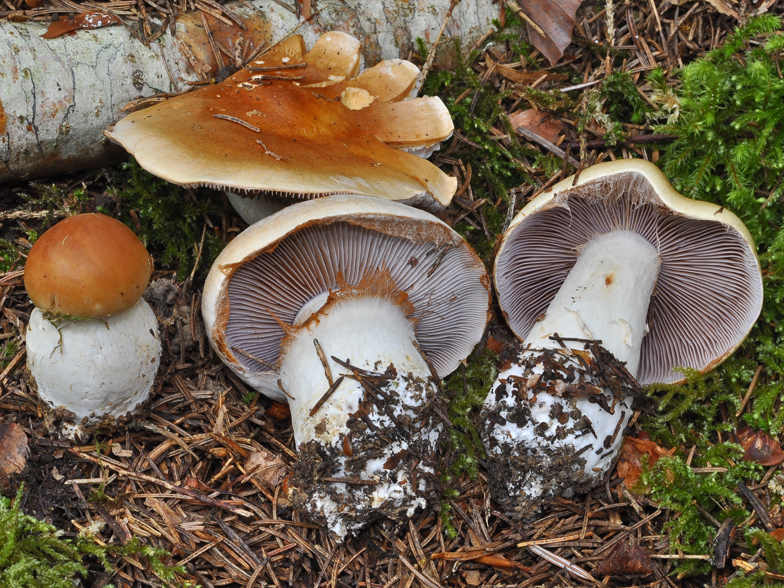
708	291
270	289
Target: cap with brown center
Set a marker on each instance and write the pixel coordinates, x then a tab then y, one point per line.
351	308
299	124
87	266
92	341
606	278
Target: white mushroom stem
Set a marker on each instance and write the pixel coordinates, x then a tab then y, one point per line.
605	297
372	334
95	367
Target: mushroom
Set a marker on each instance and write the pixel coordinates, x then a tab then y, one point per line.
298	125
92	342
609	280
351	309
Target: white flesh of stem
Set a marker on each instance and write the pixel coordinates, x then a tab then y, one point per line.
604	297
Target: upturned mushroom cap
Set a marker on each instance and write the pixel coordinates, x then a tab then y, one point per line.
264	277
305	132
87	266
709	289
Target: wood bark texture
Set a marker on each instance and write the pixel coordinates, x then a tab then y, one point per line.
58	95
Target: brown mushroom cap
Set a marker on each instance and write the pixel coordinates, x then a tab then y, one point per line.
305	131
87	266
709	289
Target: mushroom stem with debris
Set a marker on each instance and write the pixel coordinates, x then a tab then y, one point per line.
611	279
351	309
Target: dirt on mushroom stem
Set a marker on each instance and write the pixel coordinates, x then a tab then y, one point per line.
557	463
398	425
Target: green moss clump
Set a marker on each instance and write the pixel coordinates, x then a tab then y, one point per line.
624	103
169	219
33	553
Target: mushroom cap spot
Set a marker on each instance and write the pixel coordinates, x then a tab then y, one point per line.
87	266
260	281
356	98
256	132
709	289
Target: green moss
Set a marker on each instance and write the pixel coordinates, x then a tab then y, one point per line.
623	102
33	553
169	219
467	388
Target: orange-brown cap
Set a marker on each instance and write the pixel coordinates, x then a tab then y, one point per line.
300	124
87	266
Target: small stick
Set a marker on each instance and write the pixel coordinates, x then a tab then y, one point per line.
268	77
277	67
324	362
749	391
258	360
431	55
239	121
282	389
349	481
326	396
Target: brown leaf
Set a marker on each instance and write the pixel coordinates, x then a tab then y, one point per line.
13	450
759	447
777	534
278	411
630	461
553	17
538	121
267	468
627	559
84	20
494	345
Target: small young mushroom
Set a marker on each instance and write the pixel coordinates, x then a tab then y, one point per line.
608	278
351	309
296	125
92	342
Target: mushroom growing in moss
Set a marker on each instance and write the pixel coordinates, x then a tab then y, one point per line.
92	341
608	280
351	309
297	125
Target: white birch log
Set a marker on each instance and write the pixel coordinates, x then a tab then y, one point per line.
58	95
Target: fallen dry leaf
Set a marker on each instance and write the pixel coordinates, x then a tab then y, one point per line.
630	461
759	447
267	468
555	18
627	559
538	121
723	7
777	534
13	450
84	20
278	411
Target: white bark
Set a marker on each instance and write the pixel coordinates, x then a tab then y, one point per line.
58	95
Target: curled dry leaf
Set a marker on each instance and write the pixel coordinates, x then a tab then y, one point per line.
555	18
84	20
632	452
13	450
279	411
760	447
627	559
538	121
267	468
